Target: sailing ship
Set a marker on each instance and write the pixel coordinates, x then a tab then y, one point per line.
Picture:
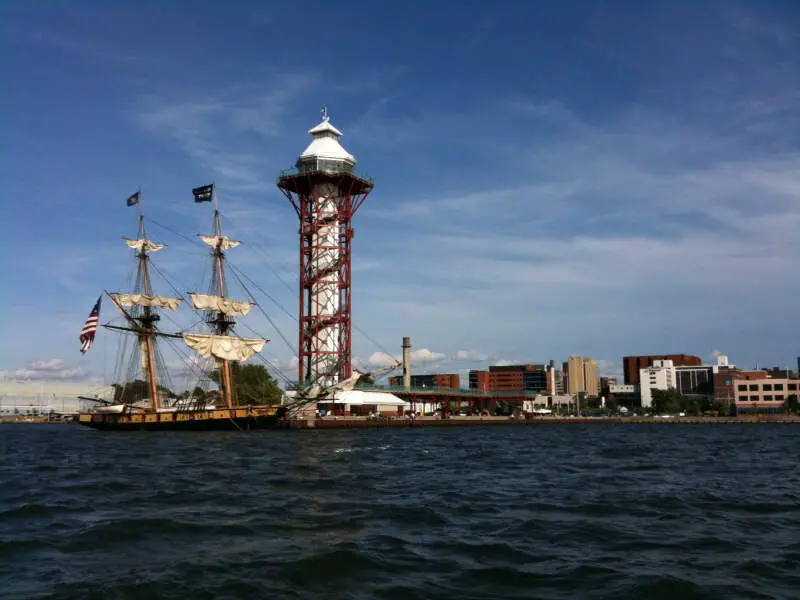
156	408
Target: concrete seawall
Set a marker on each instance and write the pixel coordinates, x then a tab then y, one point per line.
365	422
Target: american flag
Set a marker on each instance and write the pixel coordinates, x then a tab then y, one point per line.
87	333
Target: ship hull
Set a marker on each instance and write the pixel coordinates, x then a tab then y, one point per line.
237	419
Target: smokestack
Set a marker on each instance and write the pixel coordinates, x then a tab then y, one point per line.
552	376
407	363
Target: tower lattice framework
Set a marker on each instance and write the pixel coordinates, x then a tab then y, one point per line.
326	194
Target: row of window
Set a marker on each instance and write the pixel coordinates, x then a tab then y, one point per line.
766	397
767	387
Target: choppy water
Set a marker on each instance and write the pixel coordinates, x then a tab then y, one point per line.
562	511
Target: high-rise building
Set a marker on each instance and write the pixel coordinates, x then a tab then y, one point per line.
581	373
590	380
575	380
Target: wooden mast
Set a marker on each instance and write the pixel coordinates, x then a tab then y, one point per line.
147	320
221	321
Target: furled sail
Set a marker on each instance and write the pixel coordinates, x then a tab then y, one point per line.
229	306
166	302
223	242
148	245
224	347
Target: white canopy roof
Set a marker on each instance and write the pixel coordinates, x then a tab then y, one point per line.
325	144
361	397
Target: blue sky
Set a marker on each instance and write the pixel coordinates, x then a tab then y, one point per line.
552	178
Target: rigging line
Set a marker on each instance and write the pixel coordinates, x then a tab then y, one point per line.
265	359
379	346
264	253
271	322
271	268
167	279
187	362
179	234
260	289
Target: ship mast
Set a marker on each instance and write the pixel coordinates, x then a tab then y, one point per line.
221	322
220	345
142	317
148	319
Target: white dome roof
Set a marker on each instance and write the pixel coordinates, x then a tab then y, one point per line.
325	144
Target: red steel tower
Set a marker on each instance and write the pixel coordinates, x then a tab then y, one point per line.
326	193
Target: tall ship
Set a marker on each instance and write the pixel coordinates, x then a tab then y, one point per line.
326	192
142	397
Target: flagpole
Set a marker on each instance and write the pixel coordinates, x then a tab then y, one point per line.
139	211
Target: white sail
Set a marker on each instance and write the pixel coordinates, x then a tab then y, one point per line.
224	347
148	245
229	306
123	299
223	242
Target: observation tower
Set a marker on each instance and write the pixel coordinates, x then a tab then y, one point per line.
326	193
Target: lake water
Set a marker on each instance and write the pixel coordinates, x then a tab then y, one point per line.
564	511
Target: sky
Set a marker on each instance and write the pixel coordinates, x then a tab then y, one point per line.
552	178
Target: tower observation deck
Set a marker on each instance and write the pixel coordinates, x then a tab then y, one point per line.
325	192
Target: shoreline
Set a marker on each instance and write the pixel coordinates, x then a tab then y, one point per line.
404	422
366	422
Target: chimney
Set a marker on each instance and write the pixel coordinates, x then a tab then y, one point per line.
407	363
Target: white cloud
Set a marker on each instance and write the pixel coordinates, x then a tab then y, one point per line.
471	355
48	369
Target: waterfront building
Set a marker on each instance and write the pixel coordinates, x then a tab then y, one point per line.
659	376
632	365
695	381
624	394
581	373
479	380
437	380
511	378
763	395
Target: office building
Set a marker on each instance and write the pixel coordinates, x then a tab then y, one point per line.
632	365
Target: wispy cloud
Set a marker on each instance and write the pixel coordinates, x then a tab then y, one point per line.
49	369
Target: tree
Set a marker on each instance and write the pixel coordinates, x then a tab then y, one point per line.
611	403
133	391
253	384
791	403
668	401
366	379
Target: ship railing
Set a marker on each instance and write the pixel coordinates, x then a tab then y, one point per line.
323	167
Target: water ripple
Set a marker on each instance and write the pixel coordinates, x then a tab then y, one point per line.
566	511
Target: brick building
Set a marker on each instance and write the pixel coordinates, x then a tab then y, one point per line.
438	380
631	365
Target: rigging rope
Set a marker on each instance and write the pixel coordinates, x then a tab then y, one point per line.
271	322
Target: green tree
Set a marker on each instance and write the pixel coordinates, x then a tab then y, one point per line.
366	379
791	404
133	391
668	401
611	403
253	384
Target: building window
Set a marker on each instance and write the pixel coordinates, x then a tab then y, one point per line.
753	397
767	387
753	387
778	396
768	397
742	388
792	386
778	387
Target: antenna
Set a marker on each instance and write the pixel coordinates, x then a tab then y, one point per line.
324	113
